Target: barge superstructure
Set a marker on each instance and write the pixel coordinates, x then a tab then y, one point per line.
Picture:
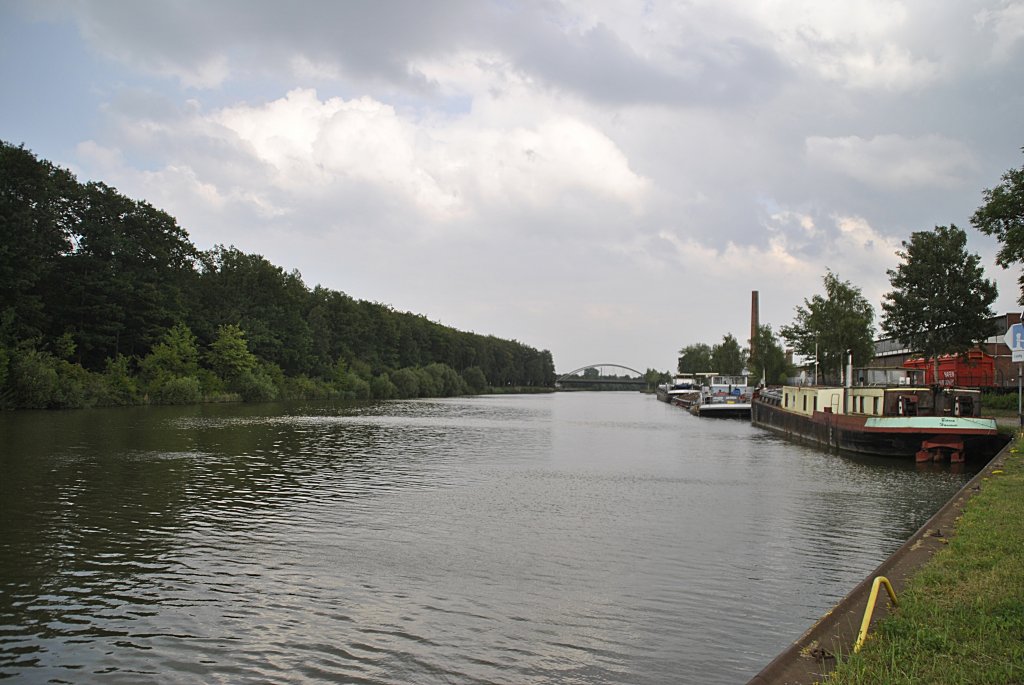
924	422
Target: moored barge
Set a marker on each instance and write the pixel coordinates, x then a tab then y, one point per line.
926	423
723	396
681	386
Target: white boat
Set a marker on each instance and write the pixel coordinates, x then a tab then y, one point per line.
681	385
724	396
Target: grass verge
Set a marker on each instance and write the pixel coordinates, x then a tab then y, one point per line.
961	617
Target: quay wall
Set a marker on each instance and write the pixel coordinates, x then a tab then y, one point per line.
812	655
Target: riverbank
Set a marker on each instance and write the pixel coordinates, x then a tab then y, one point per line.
960	583
961	618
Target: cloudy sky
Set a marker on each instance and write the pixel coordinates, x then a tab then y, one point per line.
608	180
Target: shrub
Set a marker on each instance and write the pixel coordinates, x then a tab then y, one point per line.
447	381
4	362
428	384
406	383
381	388
999	400
72	381
475	380
177	390
352	387
305	388
256	386
117	386
33	379
211	384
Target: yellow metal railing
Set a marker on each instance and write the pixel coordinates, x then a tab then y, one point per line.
870	609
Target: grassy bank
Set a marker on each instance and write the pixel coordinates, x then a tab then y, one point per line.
961	618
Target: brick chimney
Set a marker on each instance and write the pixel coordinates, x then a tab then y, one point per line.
754	323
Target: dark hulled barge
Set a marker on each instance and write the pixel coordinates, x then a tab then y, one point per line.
926	423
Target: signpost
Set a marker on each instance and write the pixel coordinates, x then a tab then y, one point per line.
1015	341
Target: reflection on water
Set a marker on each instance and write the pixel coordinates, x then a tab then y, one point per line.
577	537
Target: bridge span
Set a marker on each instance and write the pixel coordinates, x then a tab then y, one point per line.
595	377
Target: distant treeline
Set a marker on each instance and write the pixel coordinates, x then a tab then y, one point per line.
105	300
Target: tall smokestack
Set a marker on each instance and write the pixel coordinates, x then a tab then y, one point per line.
755	322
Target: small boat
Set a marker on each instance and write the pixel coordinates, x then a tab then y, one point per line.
723	396
928	423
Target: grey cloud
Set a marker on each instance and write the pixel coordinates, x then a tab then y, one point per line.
598	65
380	40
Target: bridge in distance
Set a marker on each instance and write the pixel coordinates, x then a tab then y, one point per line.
594	377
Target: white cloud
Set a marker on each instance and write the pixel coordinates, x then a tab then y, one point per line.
860	45
1007	23
446	169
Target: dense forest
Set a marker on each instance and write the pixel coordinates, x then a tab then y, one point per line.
104	300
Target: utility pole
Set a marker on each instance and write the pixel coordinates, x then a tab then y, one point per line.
815	363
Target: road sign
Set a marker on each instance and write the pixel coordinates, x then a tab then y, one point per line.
1015	341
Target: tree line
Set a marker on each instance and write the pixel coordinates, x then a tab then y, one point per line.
940	302
105	300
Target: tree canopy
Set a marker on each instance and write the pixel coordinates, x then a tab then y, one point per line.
832	324
695	358
940	302
105	299
769	361
1002	216
727	357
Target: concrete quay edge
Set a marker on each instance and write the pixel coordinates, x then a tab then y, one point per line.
811	657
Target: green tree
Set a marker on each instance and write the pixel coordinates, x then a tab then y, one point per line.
33	378
840	321
118	385
769	361
381	388
941	302
38	208
125	278
475	379
269	303
447	381
653	378
727	357
1002	216
695	358
229	354
173	358
406	382
88	275
257	384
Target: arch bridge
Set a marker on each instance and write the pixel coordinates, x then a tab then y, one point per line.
594	377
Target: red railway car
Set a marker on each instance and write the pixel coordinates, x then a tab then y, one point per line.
975	369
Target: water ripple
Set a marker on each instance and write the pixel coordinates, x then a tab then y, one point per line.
575	538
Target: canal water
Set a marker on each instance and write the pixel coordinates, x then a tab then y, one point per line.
564	538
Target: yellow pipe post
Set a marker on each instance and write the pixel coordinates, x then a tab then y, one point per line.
870	609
